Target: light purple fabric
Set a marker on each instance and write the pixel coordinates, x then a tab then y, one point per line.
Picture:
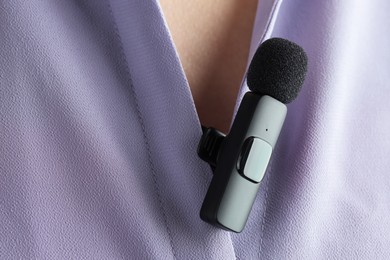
98	136
327	194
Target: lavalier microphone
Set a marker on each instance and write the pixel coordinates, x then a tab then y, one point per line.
240	159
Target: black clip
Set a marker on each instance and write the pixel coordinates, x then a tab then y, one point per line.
210	145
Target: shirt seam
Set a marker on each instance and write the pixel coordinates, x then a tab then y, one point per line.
142	124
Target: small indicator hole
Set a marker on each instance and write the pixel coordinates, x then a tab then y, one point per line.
266	129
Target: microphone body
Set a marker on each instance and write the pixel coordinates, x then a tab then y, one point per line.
245	154
275	77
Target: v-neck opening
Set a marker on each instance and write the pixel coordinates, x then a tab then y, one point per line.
171	125
265	18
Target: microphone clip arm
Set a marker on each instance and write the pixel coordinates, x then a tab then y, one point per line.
210	145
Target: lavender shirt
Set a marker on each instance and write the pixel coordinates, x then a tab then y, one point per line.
98	136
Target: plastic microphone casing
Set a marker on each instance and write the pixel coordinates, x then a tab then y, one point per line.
242	161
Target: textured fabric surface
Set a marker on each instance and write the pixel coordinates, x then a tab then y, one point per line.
98	136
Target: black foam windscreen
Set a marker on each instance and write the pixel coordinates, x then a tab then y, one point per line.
278	69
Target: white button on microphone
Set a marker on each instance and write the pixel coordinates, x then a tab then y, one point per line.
253	160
